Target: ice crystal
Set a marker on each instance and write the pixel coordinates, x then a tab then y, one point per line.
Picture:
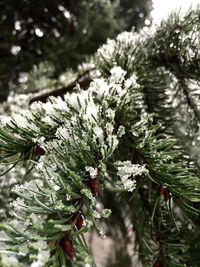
117	74
100	87
92	171
127	172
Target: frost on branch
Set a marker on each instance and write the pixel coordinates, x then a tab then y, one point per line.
72	141
83	148
128	172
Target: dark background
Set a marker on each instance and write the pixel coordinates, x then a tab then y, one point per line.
63	33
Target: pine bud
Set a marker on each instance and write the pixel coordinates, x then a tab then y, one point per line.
94	187
39	151
79	221
68	247
167	195
157	263
165	192
157	237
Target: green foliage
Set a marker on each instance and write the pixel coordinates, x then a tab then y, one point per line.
64	33
116	140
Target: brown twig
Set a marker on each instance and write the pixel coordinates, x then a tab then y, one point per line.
83	80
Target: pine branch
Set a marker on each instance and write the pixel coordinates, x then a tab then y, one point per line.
105	139
190	102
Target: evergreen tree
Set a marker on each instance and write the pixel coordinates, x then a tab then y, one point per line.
61	32
108	149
